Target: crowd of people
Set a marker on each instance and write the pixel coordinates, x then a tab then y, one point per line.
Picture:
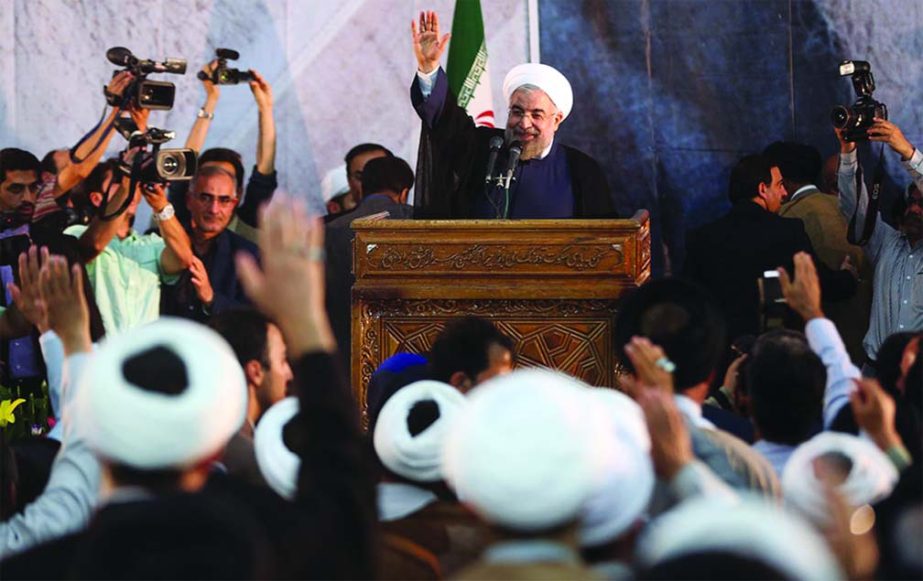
205	427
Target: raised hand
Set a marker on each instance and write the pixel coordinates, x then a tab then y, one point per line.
652	367
262	91
802	295
212	92
118	84
65	303
887	132
201	282
289	288
428	46
874	411
27	297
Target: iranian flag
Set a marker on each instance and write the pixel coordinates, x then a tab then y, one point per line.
467	64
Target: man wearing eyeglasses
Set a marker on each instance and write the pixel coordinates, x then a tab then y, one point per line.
551	180
210	285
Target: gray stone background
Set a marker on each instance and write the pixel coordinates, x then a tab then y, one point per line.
668	92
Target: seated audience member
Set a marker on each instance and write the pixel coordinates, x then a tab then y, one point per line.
801	166
260	351
729	255
896	253
126	269
355	161
713	538
686	322
414	503
469	351
528	474
263	180
386	182
210	284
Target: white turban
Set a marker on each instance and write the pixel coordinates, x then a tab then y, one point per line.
148	429
521	452
546	78
748	527
871	478
624	445
334	183
278	464
417	457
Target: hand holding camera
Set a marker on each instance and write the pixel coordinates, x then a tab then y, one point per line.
886	132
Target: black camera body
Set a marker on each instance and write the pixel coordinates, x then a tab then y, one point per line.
222	75
855	120
160	165
145	93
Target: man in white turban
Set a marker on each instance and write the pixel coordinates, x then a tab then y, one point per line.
457	160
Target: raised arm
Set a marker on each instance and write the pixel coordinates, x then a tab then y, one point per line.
68	500
804	297
334	485
262	184
850	196
91	149
177	253
911	158
199	131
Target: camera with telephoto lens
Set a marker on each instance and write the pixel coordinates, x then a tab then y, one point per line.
855	120
144	93
222	75
159	165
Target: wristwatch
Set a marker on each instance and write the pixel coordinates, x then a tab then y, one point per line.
203	114
165	214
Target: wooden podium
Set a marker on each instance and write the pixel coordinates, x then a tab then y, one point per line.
551	285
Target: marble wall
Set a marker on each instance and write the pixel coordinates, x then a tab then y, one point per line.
340	71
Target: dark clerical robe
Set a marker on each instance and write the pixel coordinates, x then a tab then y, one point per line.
452	167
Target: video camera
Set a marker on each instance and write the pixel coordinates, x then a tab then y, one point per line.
855	120
144	93
222	75
159	165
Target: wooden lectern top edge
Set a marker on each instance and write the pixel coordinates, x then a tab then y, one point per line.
635	222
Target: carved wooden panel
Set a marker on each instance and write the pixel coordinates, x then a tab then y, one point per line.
574	336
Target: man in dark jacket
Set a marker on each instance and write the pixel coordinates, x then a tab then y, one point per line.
729	255
551	180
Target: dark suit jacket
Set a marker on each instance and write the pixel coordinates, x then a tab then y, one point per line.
180	299
452	165
339	245
730	254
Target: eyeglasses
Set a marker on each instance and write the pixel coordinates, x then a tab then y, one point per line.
536	115
223	201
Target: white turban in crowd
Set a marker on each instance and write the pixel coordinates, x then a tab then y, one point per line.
871	475
278	464
334	183
624	445
417	457
521	452
749	527
152	425
546	78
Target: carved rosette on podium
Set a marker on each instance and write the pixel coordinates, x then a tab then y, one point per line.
551	285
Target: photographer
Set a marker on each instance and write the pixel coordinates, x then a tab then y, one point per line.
126	269
896	252
263	180
79	163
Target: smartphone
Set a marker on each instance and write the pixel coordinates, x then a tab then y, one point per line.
770	289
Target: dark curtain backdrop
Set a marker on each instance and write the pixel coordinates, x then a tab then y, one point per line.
670	93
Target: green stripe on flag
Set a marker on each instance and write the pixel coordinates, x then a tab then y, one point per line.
467	50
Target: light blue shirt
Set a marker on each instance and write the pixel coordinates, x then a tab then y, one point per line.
897	300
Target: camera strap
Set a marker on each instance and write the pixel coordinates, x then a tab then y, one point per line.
73	150
117	180
871	210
